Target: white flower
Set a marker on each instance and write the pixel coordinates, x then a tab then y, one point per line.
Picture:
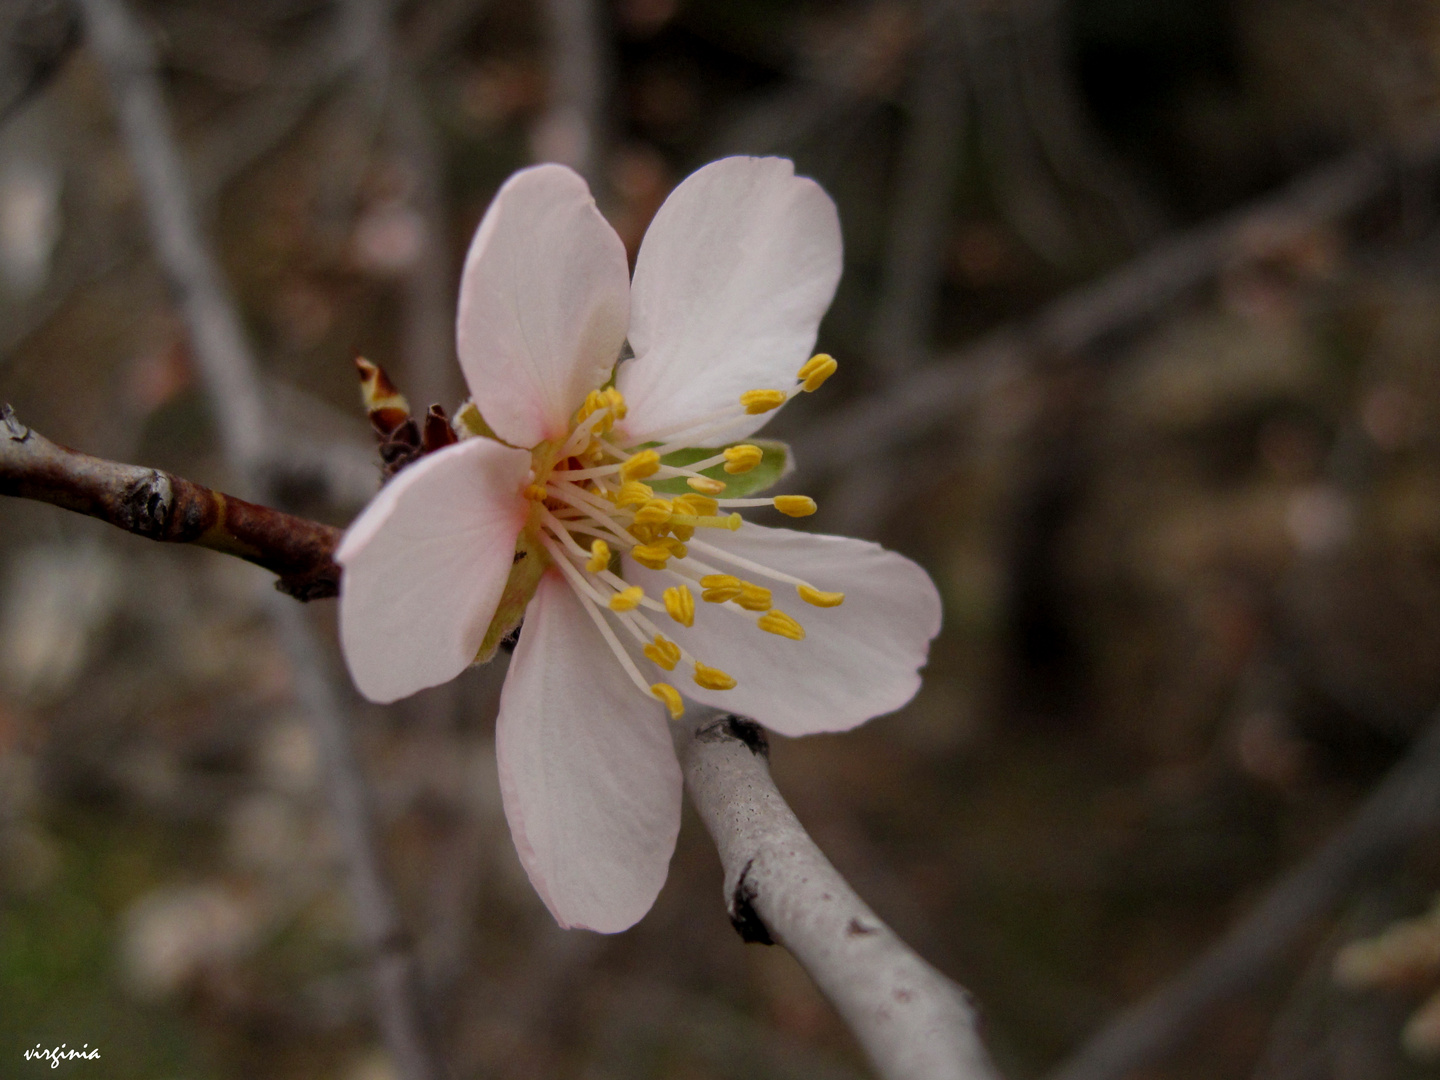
555	512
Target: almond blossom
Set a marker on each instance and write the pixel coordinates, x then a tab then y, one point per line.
580	502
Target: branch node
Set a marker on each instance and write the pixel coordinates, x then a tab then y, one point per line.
743	916
145	505
17	431
730	726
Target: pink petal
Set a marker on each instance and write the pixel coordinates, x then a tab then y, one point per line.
587	770
425	565
732	279
858	660
543	304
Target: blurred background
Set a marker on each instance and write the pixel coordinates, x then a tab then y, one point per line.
1190	555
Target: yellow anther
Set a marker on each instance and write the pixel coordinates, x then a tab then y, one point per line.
815	371
696	505
673	544
742	458
655	556
599	556
644	534
718	588
705	485
814	596
795	505
663	652
627	599
753	597
639	466
681	532
654	512
712	678
776	621
671	697
616	401
633	493
535	492
762	401
680	603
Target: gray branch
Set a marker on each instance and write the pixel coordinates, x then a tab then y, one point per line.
914	1023
232	382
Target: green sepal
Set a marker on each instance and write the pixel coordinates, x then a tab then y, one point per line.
773	467
468	423
530	562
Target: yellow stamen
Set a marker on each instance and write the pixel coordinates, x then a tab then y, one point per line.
646	534
654	512
681	532
776	621
633	493
671	697
742	458
616	401
599	556
627	599
535	492
753	597
795	505
712	678
696	505
705	485
718	588
663	652
639	466
676	548
814	596
680	603
815	371
655	556
762	401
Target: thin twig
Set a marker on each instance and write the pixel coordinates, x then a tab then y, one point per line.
161	506
914	1023
232	382
1403	809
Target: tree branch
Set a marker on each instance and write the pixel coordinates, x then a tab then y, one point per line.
162	506
914	1023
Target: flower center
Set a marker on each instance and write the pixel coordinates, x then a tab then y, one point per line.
591	503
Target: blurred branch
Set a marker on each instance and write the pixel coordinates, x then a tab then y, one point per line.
1084	318
920	217
914	1023
161	506
572	129
1403	809
232	382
